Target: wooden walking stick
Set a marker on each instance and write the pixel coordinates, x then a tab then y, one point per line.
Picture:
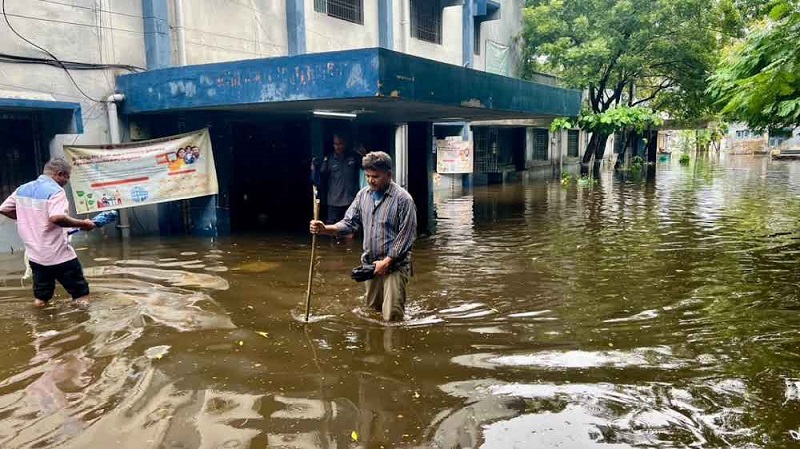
313	250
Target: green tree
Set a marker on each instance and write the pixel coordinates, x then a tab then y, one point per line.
654	53
758	79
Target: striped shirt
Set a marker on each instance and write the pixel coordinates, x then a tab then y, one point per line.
390	226
34	203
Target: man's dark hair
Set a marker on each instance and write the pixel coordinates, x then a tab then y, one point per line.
378	161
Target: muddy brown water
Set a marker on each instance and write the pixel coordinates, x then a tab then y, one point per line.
620	314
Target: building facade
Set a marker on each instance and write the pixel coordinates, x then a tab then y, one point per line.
403	71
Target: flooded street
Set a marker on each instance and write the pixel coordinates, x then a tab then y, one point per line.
626	313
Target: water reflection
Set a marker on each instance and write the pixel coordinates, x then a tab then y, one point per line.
630	312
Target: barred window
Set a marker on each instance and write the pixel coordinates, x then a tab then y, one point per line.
349	10
426	20
572	143
540	144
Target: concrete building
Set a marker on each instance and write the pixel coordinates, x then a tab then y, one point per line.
262	74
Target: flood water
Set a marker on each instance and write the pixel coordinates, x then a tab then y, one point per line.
626	313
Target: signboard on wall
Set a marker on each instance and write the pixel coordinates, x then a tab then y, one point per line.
498	58
454	156
106	177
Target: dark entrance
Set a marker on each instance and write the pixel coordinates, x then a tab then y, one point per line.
270	189
19	154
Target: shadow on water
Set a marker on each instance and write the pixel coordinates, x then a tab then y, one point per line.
631	312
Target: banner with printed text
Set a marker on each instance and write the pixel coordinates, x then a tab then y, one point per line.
454	156
106	177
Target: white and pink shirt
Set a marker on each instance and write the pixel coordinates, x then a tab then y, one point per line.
35	202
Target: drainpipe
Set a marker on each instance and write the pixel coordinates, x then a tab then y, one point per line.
113	131
180	32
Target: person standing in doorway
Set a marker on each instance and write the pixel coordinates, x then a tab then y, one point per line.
388	216
41	210
339	179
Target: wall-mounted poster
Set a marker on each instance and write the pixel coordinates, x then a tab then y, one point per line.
106	177
454	156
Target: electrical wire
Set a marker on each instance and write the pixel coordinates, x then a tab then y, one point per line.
89	8
61	64
71	65
67	22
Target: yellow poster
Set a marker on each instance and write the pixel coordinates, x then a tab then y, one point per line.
454	156
106	177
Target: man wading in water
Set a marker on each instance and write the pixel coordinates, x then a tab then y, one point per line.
41	210
389	218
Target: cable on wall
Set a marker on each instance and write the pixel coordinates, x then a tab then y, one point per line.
55	59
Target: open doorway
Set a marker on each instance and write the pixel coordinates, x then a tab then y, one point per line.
19	153
270	189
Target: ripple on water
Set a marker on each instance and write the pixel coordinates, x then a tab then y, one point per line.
585	415
656	357
175	277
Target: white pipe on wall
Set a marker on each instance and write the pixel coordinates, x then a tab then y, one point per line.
115	138
180	32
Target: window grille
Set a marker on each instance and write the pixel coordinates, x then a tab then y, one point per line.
540	144
476	44
349	10
572	143
485	144
426	20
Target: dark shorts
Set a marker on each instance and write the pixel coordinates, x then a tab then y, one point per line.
335	214
69	274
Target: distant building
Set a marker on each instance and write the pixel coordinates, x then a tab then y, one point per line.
742	140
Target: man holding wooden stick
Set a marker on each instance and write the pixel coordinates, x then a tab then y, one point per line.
388	216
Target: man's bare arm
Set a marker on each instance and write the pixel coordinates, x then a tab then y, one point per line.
65	221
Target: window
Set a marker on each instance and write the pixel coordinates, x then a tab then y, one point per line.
747	134
476	43
426	20
572	143
485	144
540	144
349	10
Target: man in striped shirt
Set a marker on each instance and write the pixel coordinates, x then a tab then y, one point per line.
388	216
41	210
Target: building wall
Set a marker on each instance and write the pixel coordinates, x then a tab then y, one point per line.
231	30
740	140
92	31
112	32
326	33
448	51
504	32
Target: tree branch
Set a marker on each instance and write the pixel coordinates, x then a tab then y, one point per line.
665	85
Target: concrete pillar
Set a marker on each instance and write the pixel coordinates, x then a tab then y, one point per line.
421	166
385	24
155	14
468	39
401	155
529	139
467	178
296	26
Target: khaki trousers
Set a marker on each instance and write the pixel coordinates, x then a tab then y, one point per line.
387	294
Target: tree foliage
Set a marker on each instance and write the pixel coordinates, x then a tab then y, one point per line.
758	79
636	119
657	53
